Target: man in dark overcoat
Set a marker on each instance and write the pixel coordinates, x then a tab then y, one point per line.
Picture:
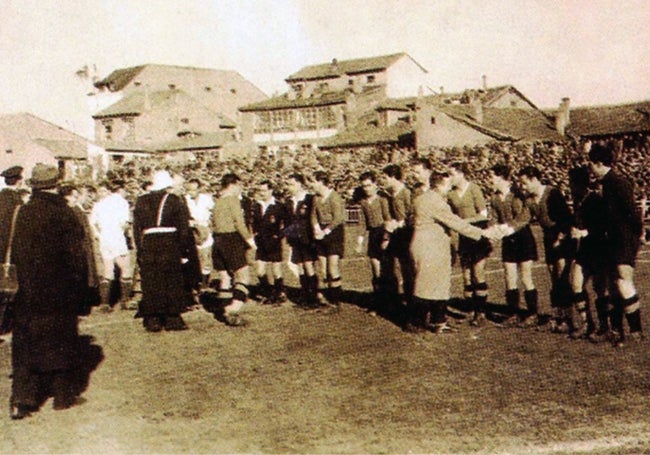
48	253
10	198
166	251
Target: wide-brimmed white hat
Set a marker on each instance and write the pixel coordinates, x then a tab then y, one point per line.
162	180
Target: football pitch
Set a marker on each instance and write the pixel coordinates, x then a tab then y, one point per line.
297	381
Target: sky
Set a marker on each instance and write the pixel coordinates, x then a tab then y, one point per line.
592	51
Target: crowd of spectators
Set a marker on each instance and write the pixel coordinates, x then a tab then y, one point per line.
345	165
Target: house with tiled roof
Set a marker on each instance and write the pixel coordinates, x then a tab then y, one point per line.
162	121
324	99
443	125
26	139
165	108
469	118
221	91
596	122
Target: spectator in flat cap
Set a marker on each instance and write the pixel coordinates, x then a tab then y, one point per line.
10	199
12	175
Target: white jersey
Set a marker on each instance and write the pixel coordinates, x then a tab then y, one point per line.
200	208
110	217
201	212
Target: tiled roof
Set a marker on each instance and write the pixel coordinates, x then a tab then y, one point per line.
120	78
25	127
135	104
488	98
284	102
606	120
65	149
219	90
355	66
365	134
199	141
196	142
507	123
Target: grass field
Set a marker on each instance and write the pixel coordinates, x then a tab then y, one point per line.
304	382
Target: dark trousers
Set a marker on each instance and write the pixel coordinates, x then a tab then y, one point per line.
31	388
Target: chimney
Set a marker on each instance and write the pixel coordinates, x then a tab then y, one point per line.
477	109
562	117
335	64
484	78
442	90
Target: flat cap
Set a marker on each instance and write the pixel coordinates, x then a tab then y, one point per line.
12	172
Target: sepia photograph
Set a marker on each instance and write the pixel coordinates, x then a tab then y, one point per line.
324	227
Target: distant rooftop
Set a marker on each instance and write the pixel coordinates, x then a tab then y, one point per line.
337	68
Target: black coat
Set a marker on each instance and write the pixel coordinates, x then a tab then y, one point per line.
166	282
9	199
49	257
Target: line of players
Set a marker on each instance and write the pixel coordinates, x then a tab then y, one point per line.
597	242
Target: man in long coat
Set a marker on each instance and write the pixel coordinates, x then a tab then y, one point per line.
10	198
48	253
167	256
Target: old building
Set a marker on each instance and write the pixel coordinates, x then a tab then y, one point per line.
325	99
602	122
472	117
26	140
163	108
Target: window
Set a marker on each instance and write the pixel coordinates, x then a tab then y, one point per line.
371	79
208	89
282	121
185	121
306	119
513	103
172	86
233	91
433	120
326	117
108	129
9	151
137	83
262	122
324	87
350	81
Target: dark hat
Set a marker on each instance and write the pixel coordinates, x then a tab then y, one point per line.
12	172
44	176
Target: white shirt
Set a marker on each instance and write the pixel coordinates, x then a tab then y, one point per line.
297	199
200	208
266	204
110	217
